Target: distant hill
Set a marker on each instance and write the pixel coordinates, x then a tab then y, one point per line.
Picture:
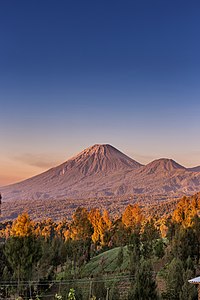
194	169
104	171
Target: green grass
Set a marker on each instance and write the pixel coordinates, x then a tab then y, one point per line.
105	266
106	262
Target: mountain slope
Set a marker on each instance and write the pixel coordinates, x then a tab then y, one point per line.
102	158
74	178
162	165
102	170
163	176
194	169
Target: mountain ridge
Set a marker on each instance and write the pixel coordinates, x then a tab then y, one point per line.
103	170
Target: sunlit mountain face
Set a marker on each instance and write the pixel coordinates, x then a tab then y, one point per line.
102	170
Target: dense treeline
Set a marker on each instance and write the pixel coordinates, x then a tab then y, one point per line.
163	253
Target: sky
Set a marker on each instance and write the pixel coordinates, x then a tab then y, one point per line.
77	73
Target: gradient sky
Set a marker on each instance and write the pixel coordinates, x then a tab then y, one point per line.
76	73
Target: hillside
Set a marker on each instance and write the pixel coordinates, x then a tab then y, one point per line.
106	267
100	176
102	170
84	175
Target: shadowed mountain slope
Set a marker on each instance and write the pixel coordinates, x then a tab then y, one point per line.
194	169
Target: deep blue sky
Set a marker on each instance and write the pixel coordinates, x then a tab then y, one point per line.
75	73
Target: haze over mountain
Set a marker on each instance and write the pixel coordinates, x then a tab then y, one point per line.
102	170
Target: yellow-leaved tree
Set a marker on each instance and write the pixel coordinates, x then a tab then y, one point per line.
80	228
132	216
22	226
187	208
101	224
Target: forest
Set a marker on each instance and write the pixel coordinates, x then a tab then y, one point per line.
96	256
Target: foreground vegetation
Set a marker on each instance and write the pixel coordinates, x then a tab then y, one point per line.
94	256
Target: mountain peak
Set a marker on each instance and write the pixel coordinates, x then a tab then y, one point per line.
103	170
163	164
98	147
103	158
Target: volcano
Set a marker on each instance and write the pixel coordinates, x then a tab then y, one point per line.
77	177
101	171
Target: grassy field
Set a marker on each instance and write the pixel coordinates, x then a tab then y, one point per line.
105	267
106	263
112	271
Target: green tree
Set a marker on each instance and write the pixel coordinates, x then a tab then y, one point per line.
149	234
145	286
185	244
196	228
3	261
174	280
188	290
134	251
119	233
22	253
159	248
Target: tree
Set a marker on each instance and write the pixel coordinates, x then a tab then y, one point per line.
196	228
81	228
22	249
47	229
188	290
174	280
148	235
22	226
3	261
158	248
22	253
96	220
134	251
119	234
101	225
132	216
144	286
185	244
186	210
